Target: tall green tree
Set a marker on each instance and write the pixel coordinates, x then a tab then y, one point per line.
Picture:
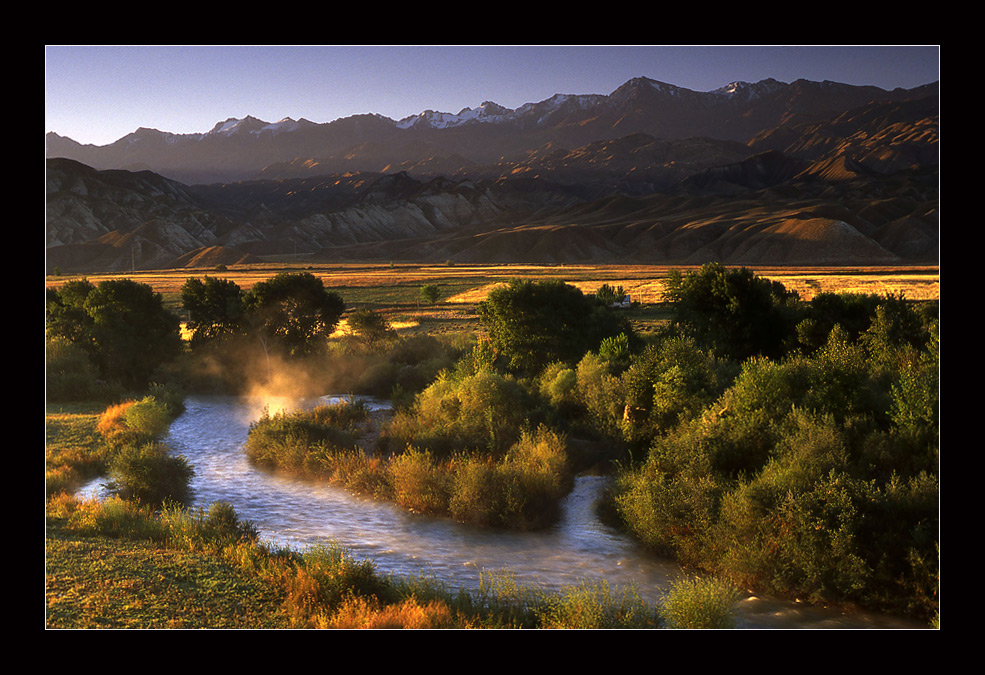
371	327
732	311
216	309
293	313
429	294
534	323
121	324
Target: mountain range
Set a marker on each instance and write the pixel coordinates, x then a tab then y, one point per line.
764	173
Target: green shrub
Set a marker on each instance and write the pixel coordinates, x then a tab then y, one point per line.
418	482
559	384
336	575
298	441
135	422
596	606
670	502
534	323
114	517
476	492
732	311
69	373
601	393
370	326
699	603
616	351
521	491
668	383
148	418
793	526
207	530
484	411
149	473
168	395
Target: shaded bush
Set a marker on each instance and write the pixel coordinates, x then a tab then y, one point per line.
70	375
813	476
122	325
669	383
852	312
536	323
216	310
292	313
149	473
401	368
732	311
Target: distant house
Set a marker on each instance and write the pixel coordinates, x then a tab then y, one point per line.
625	303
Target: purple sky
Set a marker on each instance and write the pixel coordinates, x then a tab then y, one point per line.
97	94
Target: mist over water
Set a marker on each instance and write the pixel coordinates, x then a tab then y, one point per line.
295	513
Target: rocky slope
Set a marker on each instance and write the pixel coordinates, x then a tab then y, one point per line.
850	185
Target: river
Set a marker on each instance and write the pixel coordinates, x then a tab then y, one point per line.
211	434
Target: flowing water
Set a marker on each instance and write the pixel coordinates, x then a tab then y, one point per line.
211	434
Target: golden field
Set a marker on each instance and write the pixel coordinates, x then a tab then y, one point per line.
394	288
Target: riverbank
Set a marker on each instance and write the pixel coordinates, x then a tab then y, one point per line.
578	556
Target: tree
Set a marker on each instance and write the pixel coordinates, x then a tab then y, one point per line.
430	294
732	311
370	326
293	312
852	311
607	294
215	309
121	324
66	315
537	323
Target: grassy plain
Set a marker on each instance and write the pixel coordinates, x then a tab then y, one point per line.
393	289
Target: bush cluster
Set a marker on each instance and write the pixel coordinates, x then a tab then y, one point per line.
811	474
140	466
520	488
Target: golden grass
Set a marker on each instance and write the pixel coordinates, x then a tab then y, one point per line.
645	281
113	420
361	612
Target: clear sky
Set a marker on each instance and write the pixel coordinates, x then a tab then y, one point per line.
98	94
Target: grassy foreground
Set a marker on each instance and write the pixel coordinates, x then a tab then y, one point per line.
121	565
98	581
115	564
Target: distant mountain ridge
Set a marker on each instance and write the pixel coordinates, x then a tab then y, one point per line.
763	173
241	149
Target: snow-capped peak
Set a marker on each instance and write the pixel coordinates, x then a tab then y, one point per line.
487	112
747	90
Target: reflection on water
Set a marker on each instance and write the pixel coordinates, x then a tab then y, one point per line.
290	512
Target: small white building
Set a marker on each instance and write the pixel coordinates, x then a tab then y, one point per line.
624	304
